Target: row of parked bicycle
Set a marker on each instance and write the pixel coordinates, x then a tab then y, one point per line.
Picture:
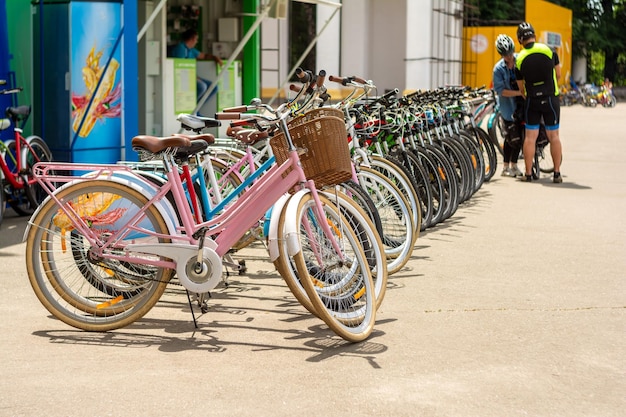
337	193
588	95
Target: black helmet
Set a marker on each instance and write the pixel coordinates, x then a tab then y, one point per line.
524	31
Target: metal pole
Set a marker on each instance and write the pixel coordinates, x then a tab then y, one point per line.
232	56
306	51
153	16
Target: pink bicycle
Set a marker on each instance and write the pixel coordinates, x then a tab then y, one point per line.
102	248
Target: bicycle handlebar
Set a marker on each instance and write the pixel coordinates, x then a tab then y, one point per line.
11	90
235	116
347	80
320	78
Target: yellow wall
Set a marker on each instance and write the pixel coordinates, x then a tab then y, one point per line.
479	51
548	17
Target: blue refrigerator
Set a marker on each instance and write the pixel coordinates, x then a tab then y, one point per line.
78	79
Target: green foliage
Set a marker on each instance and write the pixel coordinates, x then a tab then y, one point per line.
595	65
496	12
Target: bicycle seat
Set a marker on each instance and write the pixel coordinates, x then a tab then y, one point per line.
15	112
157	144
207	137
197	146
251	136
193	122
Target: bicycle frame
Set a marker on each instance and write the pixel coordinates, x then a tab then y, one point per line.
17	180
227	227
245	169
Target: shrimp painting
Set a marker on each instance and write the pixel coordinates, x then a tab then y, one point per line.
92	207
106	100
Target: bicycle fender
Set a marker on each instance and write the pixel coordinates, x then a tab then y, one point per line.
292	226
164	207
272	229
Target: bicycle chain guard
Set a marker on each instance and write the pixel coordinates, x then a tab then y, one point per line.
195	278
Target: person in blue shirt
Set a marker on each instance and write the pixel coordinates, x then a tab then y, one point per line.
509	98
187	49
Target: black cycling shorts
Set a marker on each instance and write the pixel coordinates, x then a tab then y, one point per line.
546	109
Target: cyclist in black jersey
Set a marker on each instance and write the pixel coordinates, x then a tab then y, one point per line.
537	70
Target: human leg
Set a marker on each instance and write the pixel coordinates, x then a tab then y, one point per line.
201	87
530	139
533	116
515	144
556	149
551	115
506	153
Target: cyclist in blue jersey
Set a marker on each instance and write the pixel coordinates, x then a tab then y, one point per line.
510	104
537	69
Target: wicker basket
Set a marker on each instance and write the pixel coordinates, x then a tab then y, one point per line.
326	157
315	114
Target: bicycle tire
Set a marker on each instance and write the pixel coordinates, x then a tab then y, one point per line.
16	198
2	203
62	286
468	167
361	224
447	177
399	234
544	159
435	174
24	201
345	301
460	161
495	133
421	186
401	179
364	200
490	154
470	141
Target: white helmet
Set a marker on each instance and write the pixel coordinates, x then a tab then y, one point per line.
505	44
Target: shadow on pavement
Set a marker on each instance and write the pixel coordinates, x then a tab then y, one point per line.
12	230
320	341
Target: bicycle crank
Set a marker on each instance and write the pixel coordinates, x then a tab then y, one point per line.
196	275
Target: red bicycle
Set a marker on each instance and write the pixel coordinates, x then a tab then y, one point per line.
18	186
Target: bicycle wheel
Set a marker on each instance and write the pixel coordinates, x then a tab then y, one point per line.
435	176
368	238
544	159
489	152
16	197
402	180
81	285
470	142
446	174
399	235
460	161
420	185
363	200
26	200
495	133
339	285
2	204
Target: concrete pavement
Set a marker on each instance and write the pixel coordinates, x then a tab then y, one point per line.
514	307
